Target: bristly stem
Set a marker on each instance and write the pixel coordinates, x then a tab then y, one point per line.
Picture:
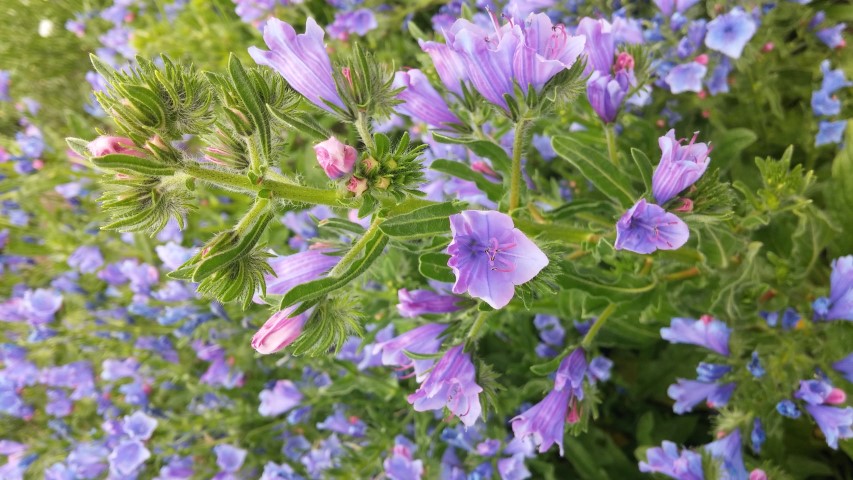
363	128
610	136
517	151
593	331
353	252
478	324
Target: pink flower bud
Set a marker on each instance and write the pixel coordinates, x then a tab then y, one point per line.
768	47
279	331
484	168
758	474
836	397
357	186
336	158
701	59
105	145
369	164
624	61
686	206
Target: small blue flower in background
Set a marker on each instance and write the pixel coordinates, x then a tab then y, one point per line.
758	436
755	367
832	37
789	409
830	132
686	77
730	32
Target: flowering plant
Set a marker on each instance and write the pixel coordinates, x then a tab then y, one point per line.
290	239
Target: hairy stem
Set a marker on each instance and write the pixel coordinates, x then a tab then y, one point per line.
353	252
363	128
517	150
610	136
478	324
593	331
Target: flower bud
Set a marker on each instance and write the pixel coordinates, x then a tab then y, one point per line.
383	183
758	474
279	331
836	397
701	59
106	145
369	164
624	61
357	186
337	159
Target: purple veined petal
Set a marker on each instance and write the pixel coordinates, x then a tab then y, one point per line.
301	59
680	166
488	60
280	330
421	101
708	332
546	50
599	45
451	383
571	372
729	451
729	33
834	422
545	421
448	63
646	227
283	396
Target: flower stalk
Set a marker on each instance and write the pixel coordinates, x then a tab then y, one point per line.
515	177
593	331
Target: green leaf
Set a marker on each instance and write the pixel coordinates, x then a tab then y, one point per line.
484	148
79	146
301	124
422	222
594	165
730	144
434	266
250	100
309	293
644	167
217	261
131	165
460	170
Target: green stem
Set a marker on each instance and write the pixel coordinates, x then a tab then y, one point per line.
254	158
515	178
356	249
478	324
593	331
259	208
286	191
554	232
610	136
363	128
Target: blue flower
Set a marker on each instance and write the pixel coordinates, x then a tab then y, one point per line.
834	422
839	304
666	459
758	437
755	367
830	132
688	393
711	372
729	451
707	332
833	80
686	77
729	33
845	366
789	409
832	36
825	104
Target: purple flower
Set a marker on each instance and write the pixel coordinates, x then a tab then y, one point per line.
58	404
139	426
424	302
251	11
400	464
299	268
301	59
127	457
813	392
729	452
86	259
489	256
529	54
711	372
686	77
719	81
832	36
825	104
357	22
274	471
830	132
513	468
834	422
229	458
707	332
179	468
680	166
688	393
339	422
729	33
280	330
451	383
606	92
173	255
599	46
280	398
449	64
41	305
421	340
668	7
666	459
5	81
421	101
839	304
845	366
646	227
545	421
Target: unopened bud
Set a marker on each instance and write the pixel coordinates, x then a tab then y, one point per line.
624	61
105	145
369	164
337	159
383	183
357	186
701	59
836	397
